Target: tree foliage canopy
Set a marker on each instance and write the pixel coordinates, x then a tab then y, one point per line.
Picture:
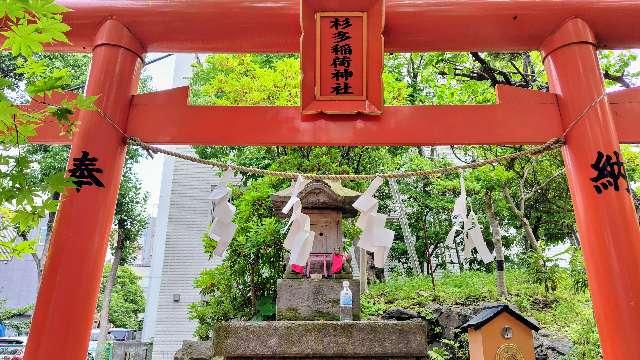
536	186
27	27
127	298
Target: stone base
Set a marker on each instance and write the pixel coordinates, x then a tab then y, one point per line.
348	340
194	350
309	300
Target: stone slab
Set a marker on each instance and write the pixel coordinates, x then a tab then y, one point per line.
325	339
194	350
306	299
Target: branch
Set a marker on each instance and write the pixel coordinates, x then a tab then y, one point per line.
453	151
471	76
534	190
617	78
510	201
485	66
522	75
491	71
522	181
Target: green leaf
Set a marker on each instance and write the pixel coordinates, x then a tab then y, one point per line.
58	182
46	7
24	248
58	79
61	113
23	39
12	8
266	306
7	111
32	67
52	29
86	102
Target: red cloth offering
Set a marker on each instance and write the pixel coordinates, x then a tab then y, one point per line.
336	263
297	268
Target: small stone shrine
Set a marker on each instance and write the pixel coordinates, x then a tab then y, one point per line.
310	292
308	296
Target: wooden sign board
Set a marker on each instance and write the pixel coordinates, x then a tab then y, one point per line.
342	56
341	52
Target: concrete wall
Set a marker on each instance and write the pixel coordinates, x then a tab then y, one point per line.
187	217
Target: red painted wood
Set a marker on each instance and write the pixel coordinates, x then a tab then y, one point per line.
371	99
625	108
166	118
607	223
49	132
67	297
155	121
411	25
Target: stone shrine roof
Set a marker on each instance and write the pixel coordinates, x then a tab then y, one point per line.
319	194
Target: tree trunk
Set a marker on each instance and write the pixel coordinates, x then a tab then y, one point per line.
422	150
497	242
528	232
574	239
38	262
252	283
363	266
106	296
50	221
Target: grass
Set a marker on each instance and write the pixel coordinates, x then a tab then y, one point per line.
562	311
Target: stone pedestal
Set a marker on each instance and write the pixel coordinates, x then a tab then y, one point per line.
288	340
306	299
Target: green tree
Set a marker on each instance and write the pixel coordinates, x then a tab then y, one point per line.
244	285
9	318
127	298
130	220
526	200
52	159
26	28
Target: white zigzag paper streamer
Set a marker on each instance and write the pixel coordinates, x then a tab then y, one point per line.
222	228
299	240
375	237
470	227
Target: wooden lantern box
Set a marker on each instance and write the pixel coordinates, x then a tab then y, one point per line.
501	333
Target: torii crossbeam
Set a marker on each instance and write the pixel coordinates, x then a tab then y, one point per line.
119	32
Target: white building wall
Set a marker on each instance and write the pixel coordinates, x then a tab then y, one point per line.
157	259
188	217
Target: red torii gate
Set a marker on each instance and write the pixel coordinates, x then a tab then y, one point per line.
119	32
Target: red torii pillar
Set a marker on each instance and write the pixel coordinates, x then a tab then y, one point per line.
607	222
69	290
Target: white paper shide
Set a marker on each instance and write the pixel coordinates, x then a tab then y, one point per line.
375	237
222	228
471	231
299	240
